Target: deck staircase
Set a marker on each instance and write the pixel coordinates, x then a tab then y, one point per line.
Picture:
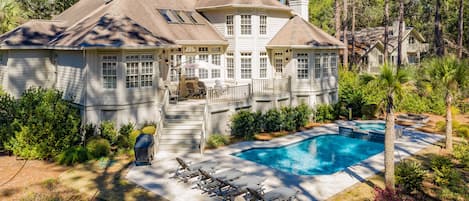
182	128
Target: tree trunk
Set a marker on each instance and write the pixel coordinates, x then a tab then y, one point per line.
386	32
353	33
400	34
389	137
461	28
449	123
344	24
439	46
337	19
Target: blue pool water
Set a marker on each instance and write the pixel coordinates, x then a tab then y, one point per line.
320	155
371	126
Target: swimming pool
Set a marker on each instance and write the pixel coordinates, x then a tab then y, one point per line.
371	126
321	155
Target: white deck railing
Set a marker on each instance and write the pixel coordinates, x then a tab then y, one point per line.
229	94
267	87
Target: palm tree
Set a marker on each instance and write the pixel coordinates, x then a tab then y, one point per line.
451	74
400	34
392	80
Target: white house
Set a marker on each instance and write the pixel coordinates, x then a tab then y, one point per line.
121	60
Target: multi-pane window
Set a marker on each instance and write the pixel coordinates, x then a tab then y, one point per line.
216	73
229	65
203	49
176	63
138	71
262	25
317	66
203	73
246	68
278	60
190	59
263	65
246	25
190	72
380	59
302	66
216	59
131	71
109	67
146	75
411	40
191	17
167	16
333	61
325	65
229	25
178	16
203	57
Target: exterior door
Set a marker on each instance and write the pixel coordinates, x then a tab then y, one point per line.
279	64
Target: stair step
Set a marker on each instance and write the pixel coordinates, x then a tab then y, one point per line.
179	126
185	117
186	108
182	122
177	112
169	131
177	142
177	149
180	137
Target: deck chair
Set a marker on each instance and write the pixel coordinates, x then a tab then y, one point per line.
186	171
282	193
202	89
210	182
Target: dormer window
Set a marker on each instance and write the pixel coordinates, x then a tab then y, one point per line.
192	18
180	19
167	16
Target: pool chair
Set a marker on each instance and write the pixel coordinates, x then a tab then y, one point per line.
240	185
186	171
282	193
210	183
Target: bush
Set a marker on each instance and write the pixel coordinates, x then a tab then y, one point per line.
217	140
410	175
123	140
437	162
108	131
273	120
133	137
387	195
463	131
8	108
289	115
150	130
324	113
441	125
99	147
461	153
303	112
73	156
88	131
444	174
243	125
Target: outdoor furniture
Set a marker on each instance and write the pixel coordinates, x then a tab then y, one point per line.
281	193
202	89
143	149
240	185
209	182
190	89
186	171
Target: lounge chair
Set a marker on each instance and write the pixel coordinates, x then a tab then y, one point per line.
211	183
240	185
186	171
282	193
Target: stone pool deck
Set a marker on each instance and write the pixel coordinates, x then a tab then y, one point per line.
157	178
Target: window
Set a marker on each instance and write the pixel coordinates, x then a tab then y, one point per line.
190	59
380	59
263	65
411	40
203	73
138	71
229	65
203	49
278	60
334	64
216	49
412	58
246	69
109	67
229	25
1	59
245	25
302	66
365	60
325	65
216	59
131	71
166	16
179	18
317	66
191	17
262	25
203	57
320	99
146	75
190	72
333	97
176	62
216	73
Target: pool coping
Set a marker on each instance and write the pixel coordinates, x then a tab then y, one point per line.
313	187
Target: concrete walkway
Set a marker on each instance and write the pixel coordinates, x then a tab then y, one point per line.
157	178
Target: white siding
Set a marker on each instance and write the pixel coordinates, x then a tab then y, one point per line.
3	67
27	68
70	75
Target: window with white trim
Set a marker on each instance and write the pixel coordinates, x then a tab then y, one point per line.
216	73
167	16
191	17
246	66
263	65
246	25
190	72
302	66
229	25
190	59
203	49
109	70
146	73
203	57
333	61
325	65
380	59
262	25
230	65
138	71
131	71
216	59
278	60
411	40
176	63
178	16
317	66
203	73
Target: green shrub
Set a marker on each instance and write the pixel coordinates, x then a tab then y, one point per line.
150	130
8	107
217	140
273	120
324	112
99	147
87	132
123	140
133	137
73	156
447	176
437	162
243	125
303	112
463	131
410	175
461	153
441	126
289	115
108	131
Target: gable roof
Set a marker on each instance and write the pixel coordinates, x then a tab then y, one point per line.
266	4
32	33
301	34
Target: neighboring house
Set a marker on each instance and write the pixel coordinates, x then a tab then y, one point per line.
115	58
369	48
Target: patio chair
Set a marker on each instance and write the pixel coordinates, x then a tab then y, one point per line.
240	185
209	182
282	193
186	171
202	89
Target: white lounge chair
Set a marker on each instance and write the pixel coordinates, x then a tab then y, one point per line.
282	193
186	171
